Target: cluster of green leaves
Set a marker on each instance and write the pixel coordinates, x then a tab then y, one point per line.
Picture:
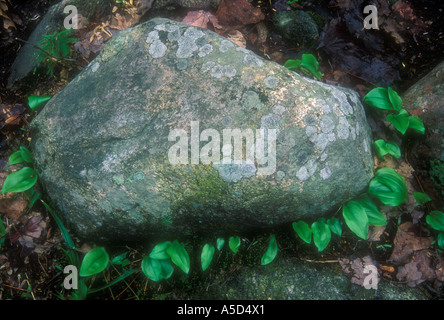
435	220
158	264
387	186
389	99
24	179
320	230
92	264
307	64
58	46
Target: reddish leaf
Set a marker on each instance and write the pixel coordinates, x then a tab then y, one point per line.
200	19
236	13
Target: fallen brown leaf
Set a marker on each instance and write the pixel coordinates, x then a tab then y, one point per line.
407	242
200	19
237	13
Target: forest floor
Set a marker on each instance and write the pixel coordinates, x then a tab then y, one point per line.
408	47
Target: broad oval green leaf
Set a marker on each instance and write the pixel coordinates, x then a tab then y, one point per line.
400	121
321	235
15	158
416	124
335	226
220	243
37	101
293	64
435	219
375	217
395	99
303	230
234	243
356	218
179	256
378	98
95	261
152	268
20	180
421	198
271	252
206	256
159	252
440	240
389	187
383	147
26	154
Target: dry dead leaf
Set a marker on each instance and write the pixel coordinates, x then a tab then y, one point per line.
200	19
238	38
407	242
237	13
355	268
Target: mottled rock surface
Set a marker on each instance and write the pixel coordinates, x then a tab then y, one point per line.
299	280
105	144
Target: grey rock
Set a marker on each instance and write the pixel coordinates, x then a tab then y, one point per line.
104	154
296	26
298	280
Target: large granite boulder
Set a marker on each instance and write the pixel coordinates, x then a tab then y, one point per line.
140	142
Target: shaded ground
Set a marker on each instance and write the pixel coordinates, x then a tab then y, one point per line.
409	45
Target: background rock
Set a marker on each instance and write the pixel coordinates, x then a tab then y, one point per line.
299	280
102	143
25	63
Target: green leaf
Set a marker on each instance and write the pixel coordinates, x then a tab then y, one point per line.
293	64
159	252
20	180
382	148
2	229
440	239
436	220
335	226
400	120
179	256
152	269
37	101
389	187
15	158
421	198
378	98
234	243
220	243
303	230
95	261
32	196
321	235
416	124
394	98
120	259
356	218
271	252
311	64
375	217
206	256
26	154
